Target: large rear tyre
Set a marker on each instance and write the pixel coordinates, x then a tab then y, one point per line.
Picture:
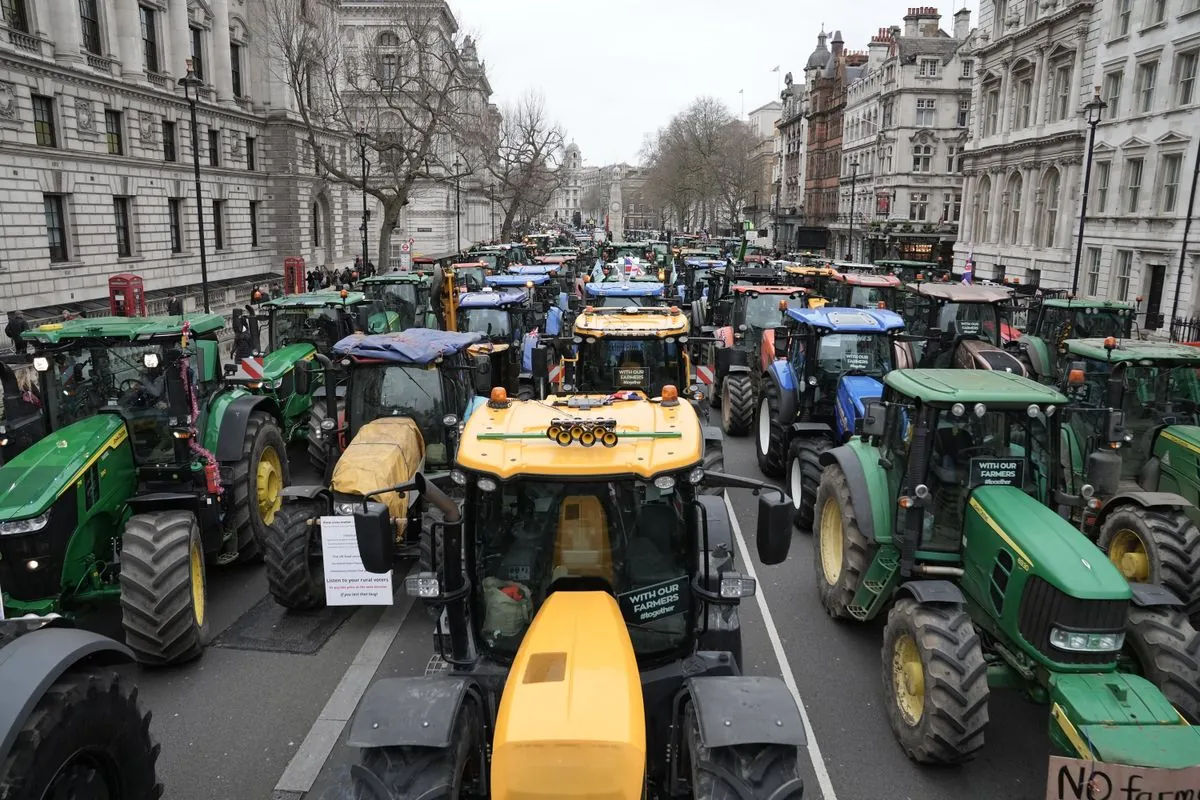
841	551
737	404
425	773
714	461
1155	545
258	480
770	443
294	562
87	739
804	476
164	594
934	681
741	771
1166	651
318	444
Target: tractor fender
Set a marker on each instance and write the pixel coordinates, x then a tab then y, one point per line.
1150	473
720	530
31	663
305	492
409	712
1150	595
782	373
1143	499
735	369
811	429
711	433
938	592
232	430
856	478
1035	348
743	709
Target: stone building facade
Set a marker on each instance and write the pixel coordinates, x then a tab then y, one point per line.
763	121
792	136
565	202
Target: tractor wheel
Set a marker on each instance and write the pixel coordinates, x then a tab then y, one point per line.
740	771
318	444
714	461
86	738
842	551
1165	649
164	589
769	442
1150	545
258	479
426	773
295	569
934	681
737	404
1026	362
804	476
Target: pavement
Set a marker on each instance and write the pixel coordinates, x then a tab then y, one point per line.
262	714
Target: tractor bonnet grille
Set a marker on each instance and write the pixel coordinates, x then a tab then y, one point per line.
1043	606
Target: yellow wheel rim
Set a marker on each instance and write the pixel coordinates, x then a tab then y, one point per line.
831	542
198	590
908	679
269	484
1128	553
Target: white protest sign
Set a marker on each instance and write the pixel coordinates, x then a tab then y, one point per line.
347	583
1077	779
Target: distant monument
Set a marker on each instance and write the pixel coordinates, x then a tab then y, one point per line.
616	207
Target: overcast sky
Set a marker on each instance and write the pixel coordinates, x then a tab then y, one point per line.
616	70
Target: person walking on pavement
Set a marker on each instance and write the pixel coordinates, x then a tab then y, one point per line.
174	306
17	324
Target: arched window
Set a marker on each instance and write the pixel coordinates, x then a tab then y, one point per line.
388	39
983	200
316	224
1048	219
1012	233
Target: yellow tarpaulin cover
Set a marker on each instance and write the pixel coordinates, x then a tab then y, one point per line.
384	452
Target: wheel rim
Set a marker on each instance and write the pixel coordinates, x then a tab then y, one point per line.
198	593
764	427
269	485
1128	553
87	775
831	542
908	679
796	483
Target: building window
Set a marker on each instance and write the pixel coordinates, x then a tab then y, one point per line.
1124	9
43	121
121	220
1093	272
235	67
89	18
387	69
149	38
218	221
198	52
1185	77
1013	223
315	234
175	219
1168	180
956	207
56	227
254	223
1063	90
964	110
991	110
251	142
1024	116
968	68
169	152
887	114
926	106
923	158
1048	219
1112	93
214	147
1000	10
1133	184
1156	12
1103	173
16	15
1121	274
112	131
918	206
929	67
1147	75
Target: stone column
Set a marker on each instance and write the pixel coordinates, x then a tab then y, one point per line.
180	38
1077	74
221	75
1044	87
66	30
1035	101
129	40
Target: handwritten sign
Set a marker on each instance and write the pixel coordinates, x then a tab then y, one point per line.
1077	779
347	582
997	472
653	602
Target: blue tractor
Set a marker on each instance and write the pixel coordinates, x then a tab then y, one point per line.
614	294
509	321
829	361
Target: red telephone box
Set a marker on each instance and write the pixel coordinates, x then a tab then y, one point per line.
126	297
293	275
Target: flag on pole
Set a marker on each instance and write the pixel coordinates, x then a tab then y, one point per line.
775	69
969	268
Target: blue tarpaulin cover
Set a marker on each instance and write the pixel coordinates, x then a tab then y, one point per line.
516	280
633	289
491	299
533	269
413	346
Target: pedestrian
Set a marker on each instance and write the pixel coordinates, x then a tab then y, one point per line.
346	277
17	324
174	306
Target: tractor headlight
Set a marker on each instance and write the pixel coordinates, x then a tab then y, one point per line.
664	482
1033	410
150	360
423	584
328	424
486	485
24	525
450	420
696	475
733	585
1049	411
1087	490
980	409
41	363
812	380
459	477
958	409
1083	642
922	491
346	509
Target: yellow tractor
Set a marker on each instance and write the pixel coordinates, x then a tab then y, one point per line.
589	598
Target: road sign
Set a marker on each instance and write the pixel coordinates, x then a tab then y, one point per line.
405	261
407	246
411	241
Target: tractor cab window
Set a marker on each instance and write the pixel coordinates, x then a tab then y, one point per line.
401	391
531	535
401	299
646	364
494	323
763	311
493	260
973	320
318	326
1099	323
471	277
866	296
862	353
610	301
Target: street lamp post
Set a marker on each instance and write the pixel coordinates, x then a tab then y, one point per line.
457	206
853	182
493	213
1094	111
191	90
361	136
756	212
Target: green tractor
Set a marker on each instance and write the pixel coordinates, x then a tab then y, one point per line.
398	301
1131	434
938	512
1052	321
151	470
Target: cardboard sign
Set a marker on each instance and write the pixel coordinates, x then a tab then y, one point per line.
347	582
631	376
655	601
1077	779
997	472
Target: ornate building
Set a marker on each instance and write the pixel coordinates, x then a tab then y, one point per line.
565	203
792	135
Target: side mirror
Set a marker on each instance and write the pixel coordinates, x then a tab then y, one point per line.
541	362
376	539
1114	391
873	417
1115	426
774	537
481	375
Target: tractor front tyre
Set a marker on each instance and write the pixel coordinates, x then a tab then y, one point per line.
87	737
426	773
294	565
770	444
804	476
1155	545
318	439
934	682
1166	649
164	591
737	404
842	552
258	480
714	461
740	771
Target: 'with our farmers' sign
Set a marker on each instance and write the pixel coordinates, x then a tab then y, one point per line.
655	601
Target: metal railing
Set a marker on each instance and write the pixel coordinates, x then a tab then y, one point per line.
1185	329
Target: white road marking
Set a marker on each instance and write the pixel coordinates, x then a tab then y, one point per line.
814	749
302	771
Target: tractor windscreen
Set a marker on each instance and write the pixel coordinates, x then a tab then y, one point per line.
972	320
317	326
394	390
399	298
624	302
493	260
494	323
628	534
608	364
1100	323
471	277
763	311
863	353
867	296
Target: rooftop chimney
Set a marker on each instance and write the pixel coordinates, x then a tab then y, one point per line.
962	23
910	22
837	44
894	31
878	47
927	21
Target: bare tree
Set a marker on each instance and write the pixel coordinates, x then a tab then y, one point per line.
736	171
408	90
527	154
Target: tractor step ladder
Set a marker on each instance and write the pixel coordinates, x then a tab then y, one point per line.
876	585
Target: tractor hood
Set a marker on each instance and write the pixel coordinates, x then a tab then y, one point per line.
31	482
277	363
384	452
1187	436
1047	545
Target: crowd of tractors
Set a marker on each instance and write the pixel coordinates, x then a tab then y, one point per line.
1010	482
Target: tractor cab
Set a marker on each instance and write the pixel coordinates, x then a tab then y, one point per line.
1051	321
471	276
810	277
959	325
398	301
506	321
693	280
319	319
910	271
550	287
862	290
623	294
495	259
